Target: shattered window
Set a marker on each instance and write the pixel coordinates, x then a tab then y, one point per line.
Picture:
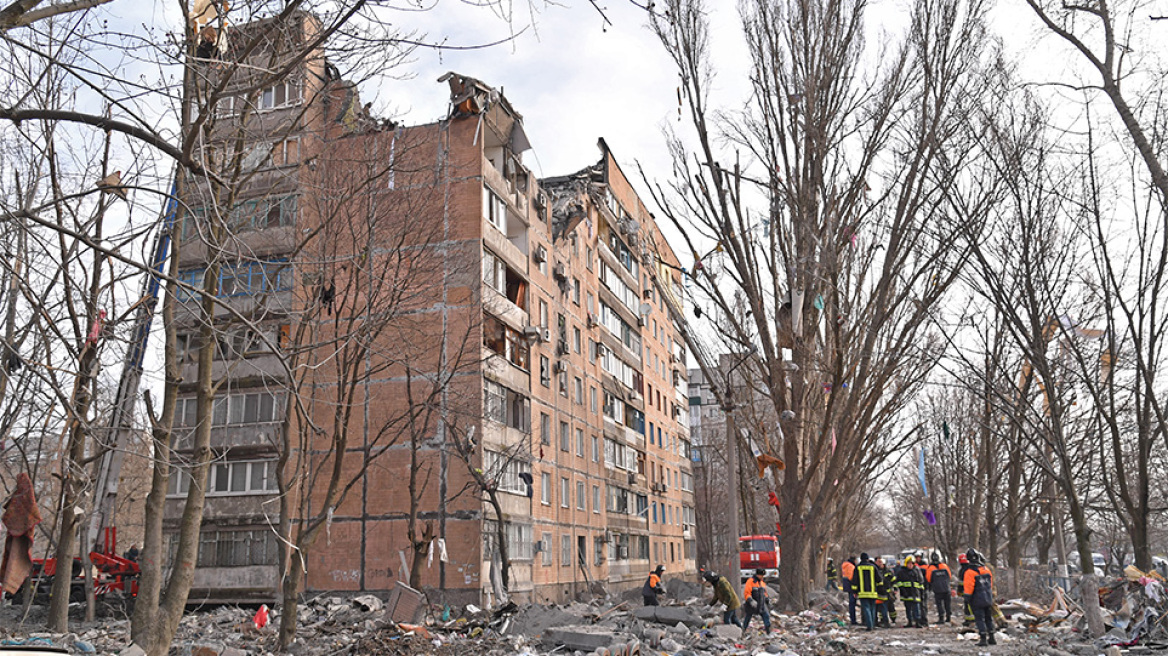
505	471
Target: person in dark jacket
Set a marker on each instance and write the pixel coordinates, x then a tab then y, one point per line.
653	586
864	583
832	576
757	600
724	593
979	593
885	595
911	584
938	578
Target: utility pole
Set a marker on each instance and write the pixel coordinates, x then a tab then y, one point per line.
732	560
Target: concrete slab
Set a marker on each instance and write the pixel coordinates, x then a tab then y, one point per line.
728	631
669	615
583	638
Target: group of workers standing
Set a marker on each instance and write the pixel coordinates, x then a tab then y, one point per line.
873	585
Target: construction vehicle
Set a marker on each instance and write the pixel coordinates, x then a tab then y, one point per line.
112	573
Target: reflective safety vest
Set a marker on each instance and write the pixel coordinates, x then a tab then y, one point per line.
866	580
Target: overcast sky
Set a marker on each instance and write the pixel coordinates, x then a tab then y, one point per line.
572	78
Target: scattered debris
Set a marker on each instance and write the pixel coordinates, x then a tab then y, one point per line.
404	623
405	604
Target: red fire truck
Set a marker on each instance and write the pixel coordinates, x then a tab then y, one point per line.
759	552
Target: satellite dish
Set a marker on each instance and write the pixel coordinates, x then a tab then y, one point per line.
646	309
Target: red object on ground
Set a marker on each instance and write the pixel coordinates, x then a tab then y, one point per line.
261	617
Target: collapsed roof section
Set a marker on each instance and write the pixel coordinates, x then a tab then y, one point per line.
471	97
572	193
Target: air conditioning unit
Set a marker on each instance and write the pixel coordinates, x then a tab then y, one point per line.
537	546
561	366
560	271
624	553
608	536
640	321
634	395
546	336
540	255
535	333
632	478
561	348
592	320
648	294
672	359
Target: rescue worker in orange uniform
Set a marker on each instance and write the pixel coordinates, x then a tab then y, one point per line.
847	570
979	593
653	586
937	578
757	600
967	611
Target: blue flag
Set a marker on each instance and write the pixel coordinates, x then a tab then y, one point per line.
921	470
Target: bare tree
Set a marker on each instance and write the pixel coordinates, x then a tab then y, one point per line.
1028	268
835	233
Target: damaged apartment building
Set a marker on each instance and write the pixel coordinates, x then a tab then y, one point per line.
531	350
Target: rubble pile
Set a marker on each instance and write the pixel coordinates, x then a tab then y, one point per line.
404	623
1135	610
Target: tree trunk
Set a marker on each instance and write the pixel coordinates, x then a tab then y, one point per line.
793	579
71	489
1139	538
156	635
501	537
1089	585
417	562
290	604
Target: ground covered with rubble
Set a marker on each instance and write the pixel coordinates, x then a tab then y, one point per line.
1136	612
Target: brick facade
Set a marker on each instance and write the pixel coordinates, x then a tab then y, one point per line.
548	310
